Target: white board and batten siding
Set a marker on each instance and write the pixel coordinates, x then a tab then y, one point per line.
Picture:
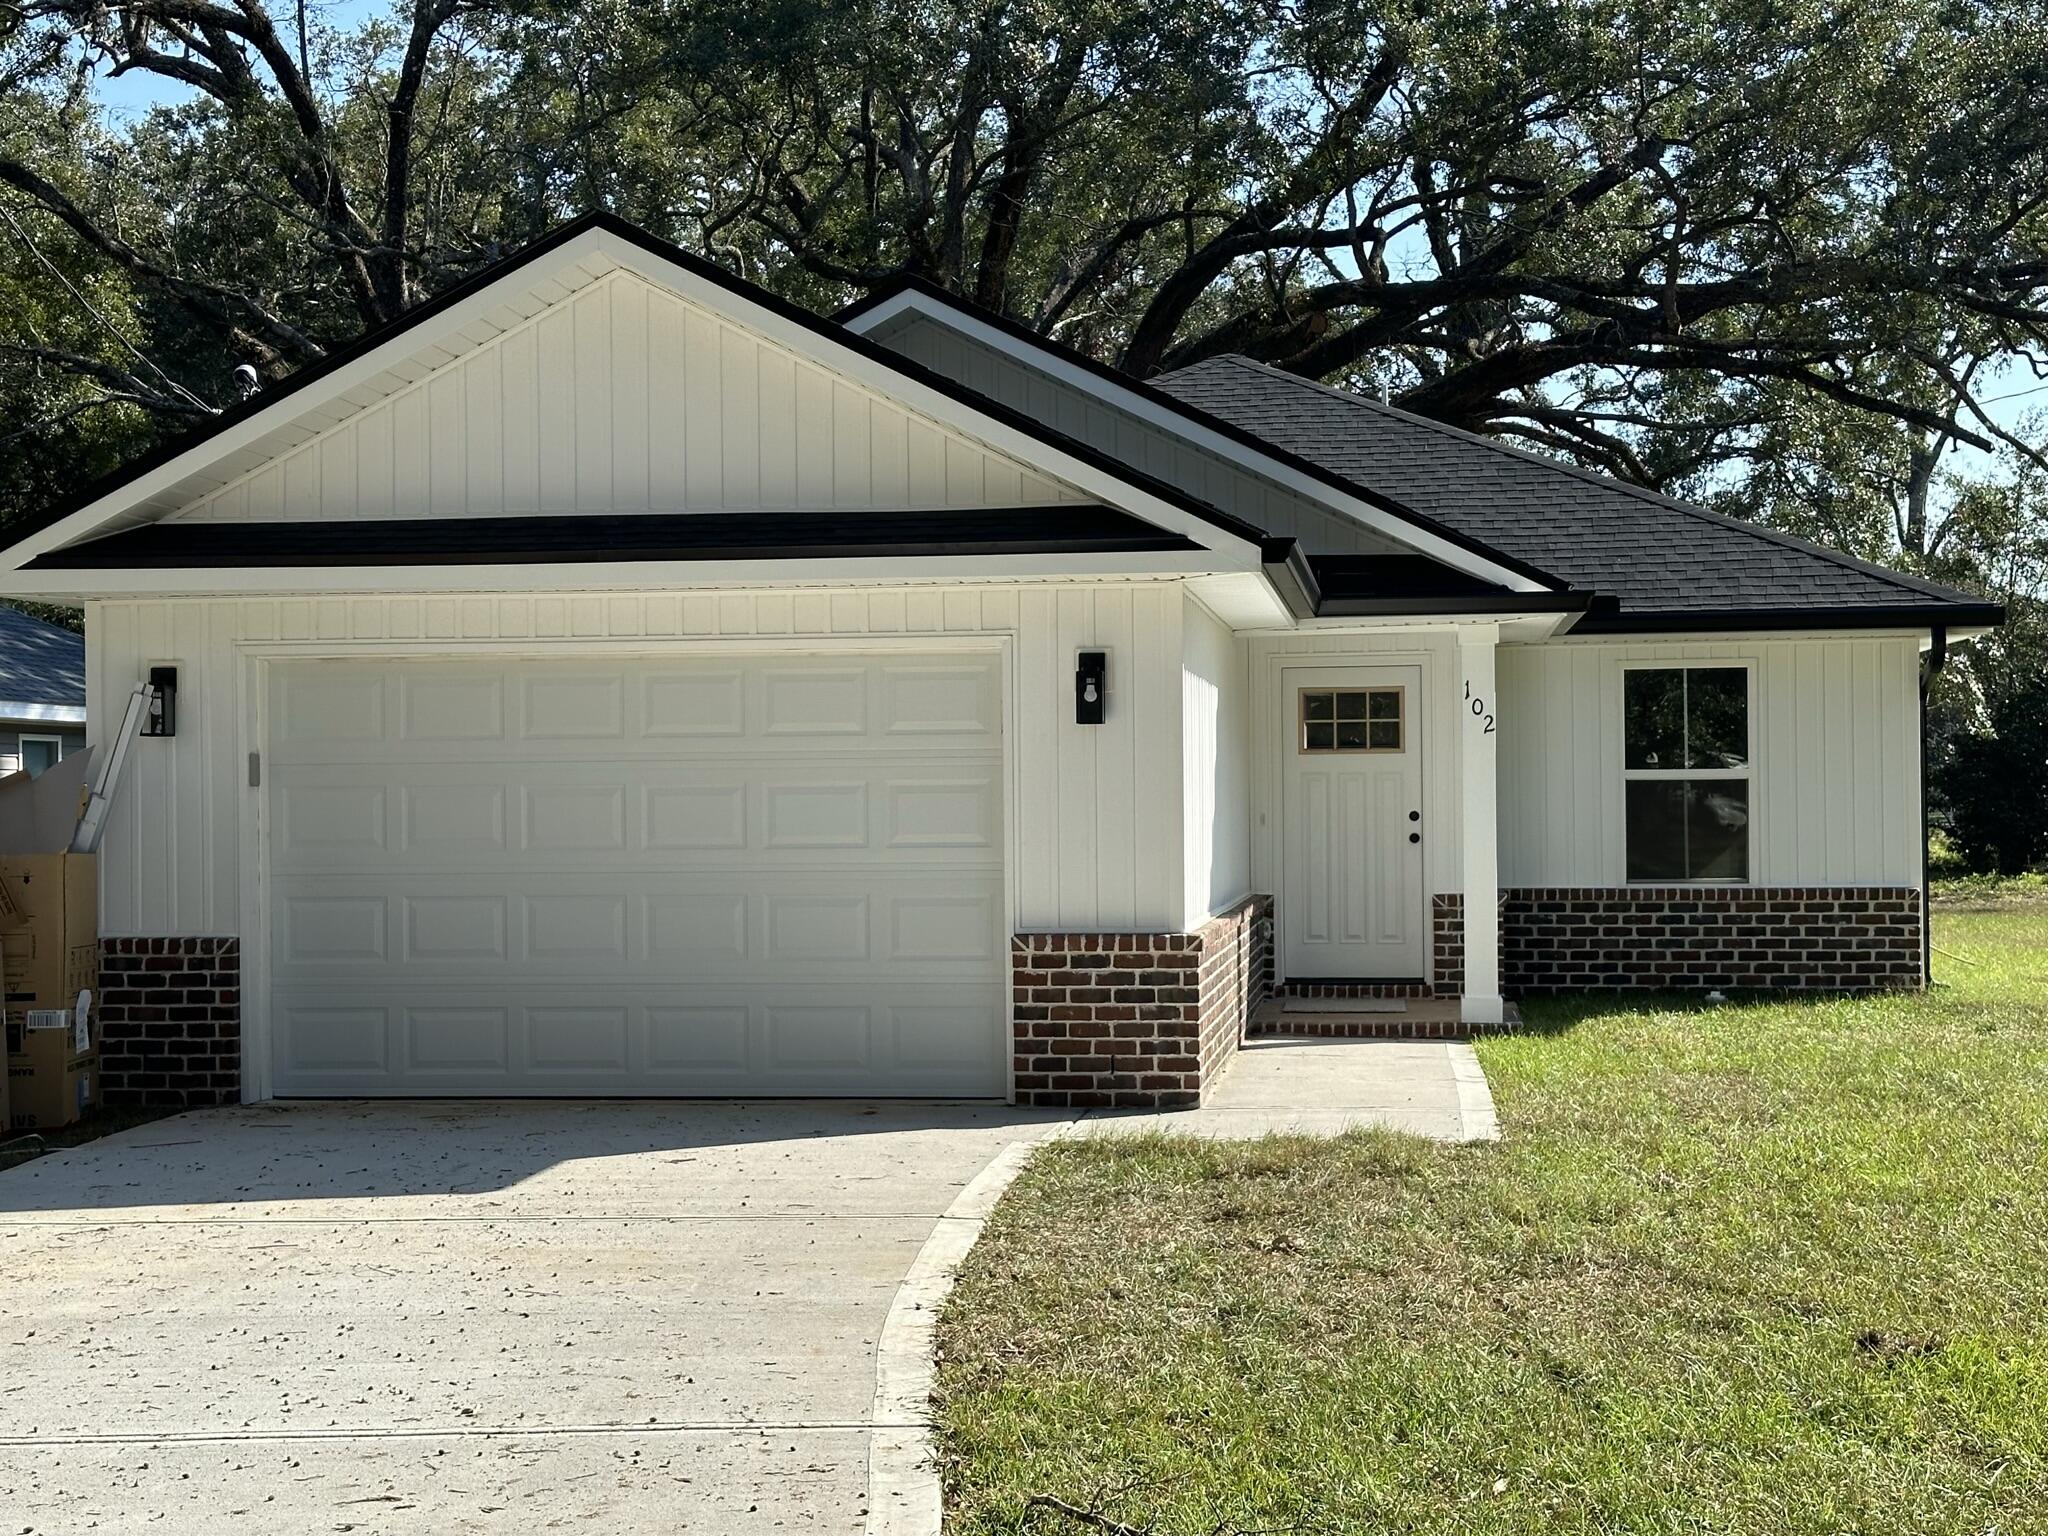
1835	739
1096	822
1145	447
1216	738
625	398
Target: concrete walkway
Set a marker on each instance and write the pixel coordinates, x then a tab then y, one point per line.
453	1318
1323	1087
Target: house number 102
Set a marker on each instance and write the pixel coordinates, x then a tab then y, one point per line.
1478	707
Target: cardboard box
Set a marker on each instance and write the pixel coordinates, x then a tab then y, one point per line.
49	949
50	944
50	1082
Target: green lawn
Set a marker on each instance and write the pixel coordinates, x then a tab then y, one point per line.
1771	1268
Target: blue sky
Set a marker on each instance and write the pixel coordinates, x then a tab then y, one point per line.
131	95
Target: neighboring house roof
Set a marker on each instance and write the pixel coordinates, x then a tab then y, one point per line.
42	670
1661	563
537	540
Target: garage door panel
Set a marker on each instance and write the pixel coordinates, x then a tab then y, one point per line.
594	1041
767	814
939	699
465	705
425	712
758	876
346	929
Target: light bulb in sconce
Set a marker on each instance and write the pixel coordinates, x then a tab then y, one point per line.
1091	683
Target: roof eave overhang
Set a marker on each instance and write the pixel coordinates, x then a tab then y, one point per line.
1473	604
31	712
602	576
1386	516
1234	543
1954	617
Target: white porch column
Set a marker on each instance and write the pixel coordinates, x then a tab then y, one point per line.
1479	835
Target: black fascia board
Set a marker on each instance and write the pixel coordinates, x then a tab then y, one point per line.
1628	621
589	537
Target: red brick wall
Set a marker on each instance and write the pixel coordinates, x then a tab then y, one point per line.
1447	944
170	1021
1856	939
1137	1020
1236	976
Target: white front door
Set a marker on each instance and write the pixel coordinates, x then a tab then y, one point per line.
699	875
1351	903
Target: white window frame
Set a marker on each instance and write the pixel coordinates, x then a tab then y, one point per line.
1747	772
25	737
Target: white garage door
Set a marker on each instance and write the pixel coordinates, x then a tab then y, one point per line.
762	876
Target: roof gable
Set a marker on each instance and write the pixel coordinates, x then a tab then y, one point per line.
621	397
428	416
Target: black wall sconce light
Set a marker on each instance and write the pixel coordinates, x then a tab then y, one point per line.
162	719
1091	687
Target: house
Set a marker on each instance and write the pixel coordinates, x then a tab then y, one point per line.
42	692
612	679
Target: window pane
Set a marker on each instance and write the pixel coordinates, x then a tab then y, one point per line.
1316	737
1716	717
1656	829
1317	706
1386	735
1350	706
1386	705
1717	828
1653	711
1351	734
37	754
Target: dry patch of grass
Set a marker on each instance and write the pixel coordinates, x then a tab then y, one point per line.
1777	1268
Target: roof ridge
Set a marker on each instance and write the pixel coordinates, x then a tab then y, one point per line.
1900	579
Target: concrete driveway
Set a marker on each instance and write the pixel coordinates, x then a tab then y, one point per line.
616	1317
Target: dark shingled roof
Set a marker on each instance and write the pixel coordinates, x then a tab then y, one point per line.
1665	562
40	663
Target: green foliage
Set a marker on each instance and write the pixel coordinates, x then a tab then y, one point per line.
1996	784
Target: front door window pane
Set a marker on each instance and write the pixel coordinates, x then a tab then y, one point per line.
1363	720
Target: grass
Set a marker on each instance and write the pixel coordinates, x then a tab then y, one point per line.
1773	1267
